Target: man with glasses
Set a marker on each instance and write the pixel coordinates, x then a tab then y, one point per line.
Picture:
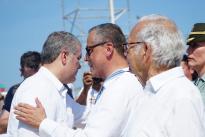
196	55
60	54
117	97
173	106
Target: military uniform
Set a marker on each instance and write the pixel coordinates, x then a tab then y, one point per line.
200	83
198	35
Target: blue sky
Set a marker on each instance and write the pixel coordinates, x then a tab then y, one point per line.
25	24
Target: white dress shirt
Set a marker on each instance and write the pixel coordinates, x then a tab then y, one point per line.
109	116
52	94
173	108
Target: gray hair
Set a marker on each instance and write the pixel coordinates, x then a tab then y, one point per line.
55	43
111	33
164	38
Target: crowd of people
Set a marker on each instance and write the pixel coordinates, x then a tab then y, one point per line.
149	85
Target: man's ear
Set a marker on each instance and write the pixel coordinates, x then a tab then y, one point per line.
64	56
147	50
109	49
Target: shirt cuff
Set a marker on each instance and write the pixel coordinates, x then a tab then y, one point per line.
47	127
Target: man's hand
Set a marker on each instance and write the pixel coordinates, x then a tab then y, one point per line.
87	80
30	115
4	121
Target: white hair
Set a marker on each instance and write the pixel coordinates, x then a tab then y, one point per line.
164	38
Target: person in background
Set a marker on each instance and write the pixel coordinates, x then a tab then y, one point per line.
30	62
94	91
196	55
1	101
188	71
91	88
173	106
115	100
87	84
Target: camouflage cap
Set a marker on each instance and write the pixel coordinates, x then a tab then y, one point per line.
197	34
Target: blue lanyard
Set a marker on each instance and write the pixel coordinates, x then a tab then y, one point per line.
116	73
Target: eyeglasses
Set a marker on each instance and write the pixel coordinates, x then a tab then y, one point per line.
89	49
127	47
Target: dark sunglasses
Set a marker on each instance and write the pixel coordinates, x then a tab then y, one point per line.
89	49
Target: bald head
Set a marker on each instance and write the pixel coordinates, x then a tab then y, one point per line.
164	38
153	19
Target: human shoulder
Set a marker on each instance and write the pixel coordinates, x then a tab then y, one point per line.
129	78
15	86
183	88
35	86
126	85
13	89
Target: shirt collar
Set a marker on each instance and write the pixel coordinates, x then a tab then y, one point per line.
203	77
58	85
156	82
112	76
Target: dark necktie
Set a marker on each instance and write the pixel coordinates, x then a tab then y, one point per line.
69	91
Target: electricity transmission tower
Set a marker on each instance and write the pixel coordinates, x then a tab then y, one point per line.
80	16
